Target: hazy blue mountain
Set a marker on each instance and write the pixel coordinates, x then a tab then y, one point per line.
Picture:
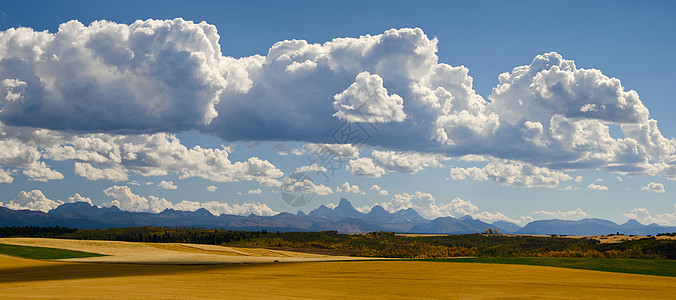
592	227
343	218
82	208
505	226
566	227
451	225
9	217
411	215
346	210
321	211
378	214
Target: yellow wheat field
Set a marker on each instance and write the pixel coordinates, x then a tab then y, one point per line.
23	278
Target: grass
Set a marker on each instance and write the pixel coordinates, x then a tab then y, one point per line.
633	266
43	252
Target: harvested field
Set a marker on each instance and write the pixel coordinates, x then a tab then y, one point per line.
156	275
21	278
170	253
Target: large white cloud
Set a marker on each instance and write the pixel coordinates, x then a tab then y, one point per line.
151	75
171	76
304	185
125	199
427	206
15	153
5	176
644	216
366	100
90	172
155	155
512	173
218	208
393	161
33	200
551	85
36	200
365	167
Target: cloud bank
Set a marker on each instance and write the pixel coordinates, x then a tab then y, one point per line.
108	97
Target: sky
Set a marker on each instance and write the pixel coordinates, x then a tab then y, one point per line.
502	111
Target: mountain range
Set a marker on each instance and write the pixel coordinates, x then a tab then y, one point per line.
343	218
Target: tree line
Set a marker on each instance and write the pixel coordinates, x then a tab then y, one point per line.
375	244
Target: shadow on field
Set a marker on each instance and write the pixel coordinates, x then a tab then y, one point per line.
65	271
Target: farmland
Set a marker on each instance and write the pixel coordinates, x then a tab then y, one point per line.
309	277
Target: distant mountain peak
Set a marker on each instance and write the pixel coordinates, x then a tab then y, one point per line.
632	223
377	208
344	202
203	212
346	210
466	217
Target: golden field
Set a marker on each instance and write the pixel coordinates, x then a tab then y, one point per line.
23	278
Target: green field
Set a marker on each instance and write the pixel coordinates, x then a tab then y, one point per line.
43	252
634	266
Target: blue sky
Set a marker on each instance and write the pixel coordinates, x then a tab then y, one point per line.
72	130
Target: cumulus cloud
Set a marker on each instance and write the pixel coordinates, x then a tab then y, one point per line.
125	199
311	168
654	187
111	77
41	172
338	151
212	188
365	167
597	187
116	157
512	173
644	216
347	188
33	200
78	198
218	208
255	192
427	206
36	200
90	172
565	215
282	149
155	155
382	161
6	176
304	185
170	76
380	191
167	185
551	85
366	100
405	162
